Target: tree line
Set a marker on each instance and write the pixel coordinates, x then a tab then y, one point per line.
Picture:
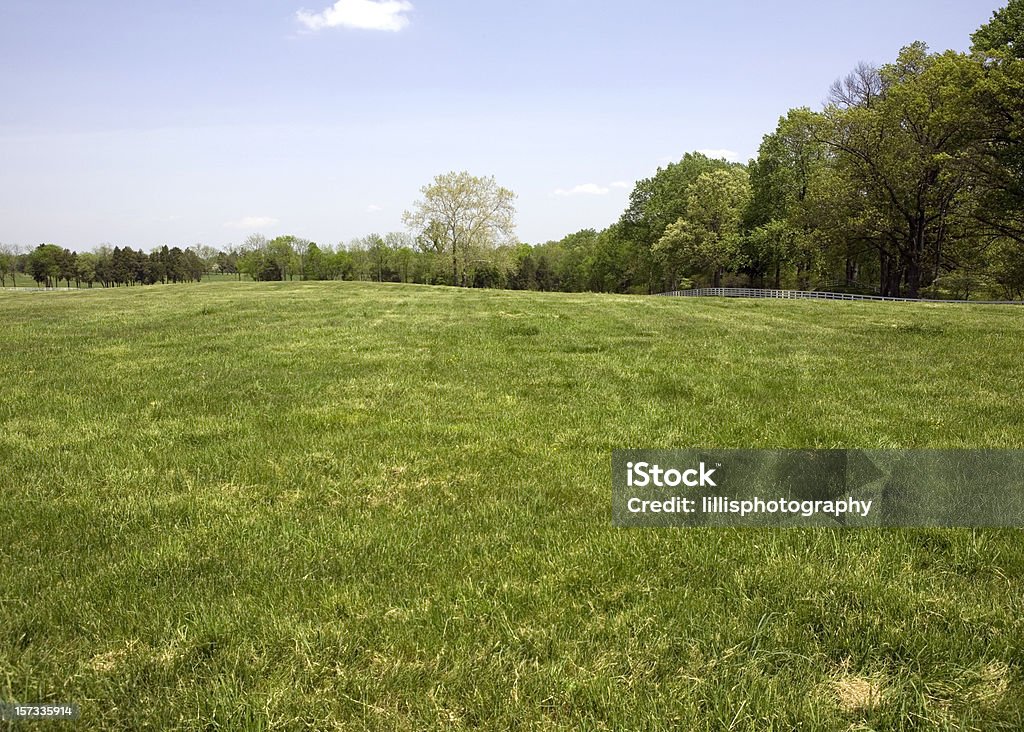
910	181
49	265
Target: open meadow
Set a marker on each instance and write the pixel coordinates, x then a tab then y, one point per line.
335	505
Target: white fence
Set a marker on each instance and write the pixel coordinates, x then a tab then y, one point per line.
802	295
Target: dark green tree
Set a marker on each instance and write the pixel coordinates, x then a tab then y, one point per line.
44	264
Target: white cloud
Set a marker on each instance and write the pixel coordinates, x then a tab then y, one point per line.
730	155
385	15
374	208
251	222
585	189
592	189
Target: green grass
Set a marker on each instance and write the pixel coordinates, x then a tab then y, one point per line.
20	280
355	506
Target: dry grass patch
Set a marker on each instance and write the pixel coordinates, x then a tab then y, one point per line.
111	660
994	683
857	694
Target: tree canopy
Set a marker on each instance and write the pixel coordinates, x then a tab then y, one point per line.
464	218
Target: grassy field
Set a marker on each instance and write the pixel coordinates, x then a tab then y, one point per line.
354	506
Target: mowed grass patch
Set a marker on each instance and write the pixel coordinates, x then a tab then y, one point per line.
356	506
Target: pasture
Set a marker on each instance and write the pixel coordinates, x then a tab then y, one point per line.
331	505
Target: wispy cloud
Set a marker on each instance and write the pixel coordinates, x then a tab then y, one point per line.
383	15
374	208
730	155
592	189
251	222
584	189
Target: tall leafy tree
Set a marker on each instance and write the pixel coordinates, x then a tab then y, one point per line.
901	154
707	236
779	218
463	216
67	261
654	204
86	267
280	255
999	99
1003	35
44	264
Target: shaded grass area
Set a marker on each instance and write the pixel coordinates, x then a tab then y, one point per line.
356	506
17	279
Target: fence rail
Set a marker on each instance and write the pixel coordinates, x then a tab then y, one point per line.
750	292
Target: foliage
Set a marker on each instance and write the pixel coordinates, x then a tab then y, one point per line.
464	218
654	204
1004	33
707	236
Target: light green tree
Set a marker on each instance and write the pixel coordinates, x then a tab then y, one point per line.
707	236
654	204
280	253
463	216
401	253
1003	35
86	266
378	255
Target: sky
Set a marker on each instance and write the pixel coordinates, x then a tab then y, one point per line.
142	123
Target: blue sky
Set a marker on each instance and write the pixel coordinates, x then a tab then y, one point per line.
142	123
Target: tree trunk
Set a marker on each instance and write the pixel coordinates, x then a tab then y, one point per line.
913	278
851	271
886	275
914	260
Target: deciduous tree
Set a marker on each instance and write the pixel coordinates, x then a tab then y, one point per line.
462	215
707	236
901	155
